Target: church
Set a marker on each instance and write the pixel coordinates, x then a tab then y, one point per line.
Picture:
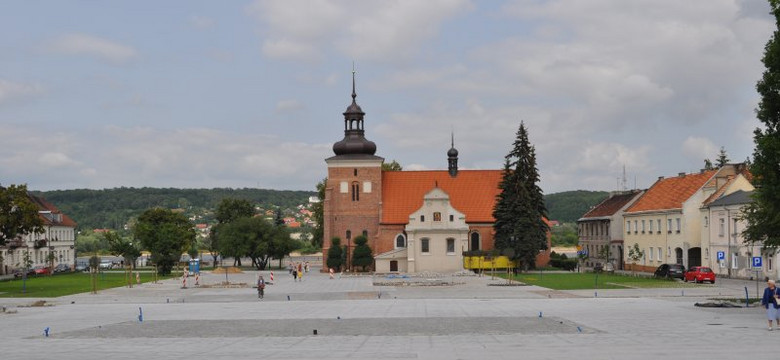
415	221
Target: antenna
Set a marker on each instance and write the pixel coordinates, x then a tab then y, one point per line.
625	186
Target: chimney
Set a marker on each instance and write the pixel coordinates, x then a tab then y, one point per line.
682	174
660	178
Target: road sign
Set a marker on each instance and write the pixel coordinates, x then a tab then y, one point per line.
757	262
721	255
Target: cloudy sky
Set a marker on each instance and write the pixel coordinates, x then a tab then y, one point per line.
251	93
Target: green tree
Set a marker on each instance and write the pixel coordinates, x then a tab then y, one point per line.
763	214
362	255
520	208
318	212
278	217
252	237
334	260
122	246
722	159
392	166
166	235
18	214
228	210
708	164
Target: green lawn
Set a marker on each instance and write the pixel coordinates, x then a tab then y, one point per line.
66	284
582	281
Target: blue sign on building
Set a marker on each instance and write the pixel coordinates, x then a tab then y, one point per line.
721	255
757	261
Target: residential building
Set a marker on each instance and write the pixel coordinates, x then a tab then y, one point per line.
55	245
600	230
414	220
666	221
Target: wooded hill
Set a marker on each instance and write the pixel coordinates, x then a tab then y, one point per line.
568	206
112	208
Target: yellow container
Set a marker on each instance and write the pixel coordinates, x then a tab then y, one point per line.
487	262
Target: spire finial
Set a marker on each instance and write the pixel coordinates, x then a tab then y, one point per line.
453	138
354	95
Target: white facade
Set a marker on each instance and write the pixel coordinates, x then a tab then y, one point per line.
58	239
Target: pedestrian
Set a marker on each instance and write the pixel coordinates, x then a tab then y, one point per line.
300	271
769	300
306	267
289	267
295	274
260	286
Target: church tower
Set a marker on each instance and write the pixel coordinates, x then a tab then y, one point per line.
353	192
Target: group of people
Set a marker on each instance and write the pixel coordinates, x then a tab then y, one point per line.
297	270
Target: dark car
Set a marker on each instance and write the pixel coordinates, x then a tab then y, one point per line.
61	268
670	271
18	273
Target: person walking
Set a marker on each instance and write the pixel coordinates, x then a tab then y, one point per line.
260	287
300	271
294	274
769	300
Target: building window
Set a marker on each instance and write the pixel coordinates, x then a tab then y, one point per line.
400	241
734	261
422	218
349	234
354	172
437	216
425	246
706	221
678	225
628	226
650	254
475	243
452	218
721	227
651	226
668	226
643	228
659	225
355	191
636	226
660	254
450	246
365	234
706	253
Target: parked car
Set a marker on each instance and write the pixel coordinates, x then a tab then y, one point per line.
20	271
82	267
670	271
61	268
699	274
42	270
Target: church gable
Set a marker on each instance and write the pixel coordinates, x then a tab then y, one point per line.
436	214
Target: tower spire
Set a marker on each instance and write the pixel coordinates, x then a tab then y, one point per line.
452	157
354	95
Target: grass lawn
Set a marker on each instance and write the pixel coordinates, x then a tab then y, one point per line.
583	281
66	284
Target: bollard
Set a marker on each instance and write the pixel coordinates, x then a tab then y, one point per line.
272	277
315	331
595	294
579	329
288	297
540	314
46	332
140	314
747	298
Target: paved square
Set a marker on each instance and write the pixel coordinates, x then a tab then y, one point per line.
355	319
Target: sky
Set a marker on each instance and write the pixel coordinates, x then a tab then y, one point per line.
204	94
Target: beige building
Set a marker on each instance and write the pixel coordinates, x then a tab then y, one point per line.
600	230
666	222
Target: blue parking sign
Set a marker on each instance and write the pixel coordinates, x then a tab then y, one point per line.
721	255
757	261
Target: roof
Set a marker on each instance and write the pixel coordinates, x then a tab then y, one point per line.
670	193
46	206
611	205
738	197
472	192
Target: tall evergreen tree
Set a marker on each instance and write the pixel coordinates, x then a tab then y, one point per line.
362	256
722	159
763	214
520	208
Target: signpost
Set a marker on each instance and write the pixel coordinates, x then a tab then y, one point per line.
757	264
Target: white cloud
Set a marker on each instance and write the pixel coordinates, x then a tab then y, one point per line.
379	30
289	105
11	90
90	45
699	148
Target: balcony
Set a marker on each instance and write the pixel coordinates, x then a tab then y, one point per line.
40	243
14	243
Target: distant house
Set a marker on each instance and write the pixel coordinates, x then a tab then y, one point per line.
601	228
56	243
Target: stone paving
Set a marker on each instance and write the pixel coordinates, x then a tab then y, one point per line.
355	319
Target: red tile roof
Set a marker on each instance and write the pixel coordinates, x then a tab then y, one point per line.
670	193
611	205
44	205
472	192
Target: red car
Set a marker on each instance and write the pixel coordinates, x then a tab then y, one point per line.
700	274
42	270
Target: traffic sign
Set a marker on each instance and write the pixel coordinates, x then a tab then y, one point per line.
721	255
757	261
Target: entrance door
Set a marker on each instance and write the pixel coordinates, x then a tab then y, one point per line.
393	265
678	254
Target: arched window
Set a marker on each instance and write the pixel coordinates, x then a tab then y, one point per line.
365	234
475	241
355	191
400	241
